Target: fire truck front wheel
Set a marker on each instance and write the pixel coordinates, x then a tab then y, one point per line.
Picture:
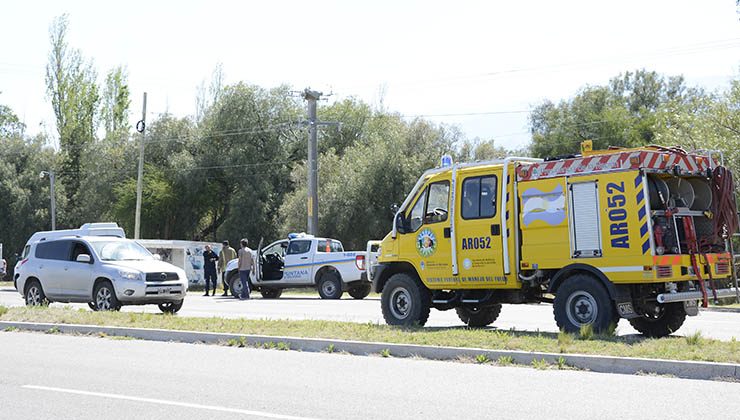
405	301
661	321
582	300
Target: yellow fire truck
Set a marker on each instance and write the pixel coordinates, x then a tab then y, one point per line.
640	233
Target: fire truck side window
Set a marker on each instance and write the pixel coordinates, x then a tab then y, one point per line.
417	212
439	198
479	197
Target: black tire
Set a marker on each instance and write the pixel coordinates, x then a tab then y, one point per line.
667	320
235	285
34	294
583	300
359	292
330	286
405	301
271	293
92	306
479	317
105	298
171	307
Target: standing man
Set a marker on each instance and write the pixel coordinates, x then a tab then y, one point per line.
209	268
245	265
227	254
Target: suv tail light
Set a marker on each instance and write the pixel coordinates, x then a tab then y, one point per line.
360	262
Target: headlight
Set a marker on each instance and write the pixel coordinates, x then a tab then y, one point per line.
129	275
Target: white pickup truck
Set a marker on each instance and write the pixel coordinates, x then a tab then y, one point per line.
302	261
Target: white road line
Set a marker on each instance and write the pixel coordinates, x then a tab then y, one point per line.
166	402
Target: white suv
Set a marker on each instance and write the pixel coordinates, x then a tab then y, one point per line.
105	272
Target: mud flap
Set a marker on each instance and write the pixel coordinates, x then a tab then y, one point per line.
623	302
626	310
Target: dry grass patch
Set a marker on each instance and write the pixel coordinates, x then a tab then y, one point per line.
696	348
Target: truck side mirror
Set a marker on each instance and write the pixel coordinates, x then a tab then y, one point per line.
400	223
394	208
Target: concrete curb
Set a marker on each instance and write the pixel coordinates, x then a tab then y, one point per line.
603	364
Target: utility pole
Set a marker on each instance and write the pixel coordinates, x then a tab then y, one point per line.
313	156
311	96
52	196
140	127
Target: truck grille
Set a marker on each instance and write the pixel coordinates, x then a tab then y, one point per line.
158	277
664	271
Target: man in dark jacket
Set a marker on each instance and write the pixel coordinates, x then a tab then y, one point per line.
209	268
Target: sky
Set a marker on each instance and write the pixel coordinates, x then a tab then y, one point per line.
480	65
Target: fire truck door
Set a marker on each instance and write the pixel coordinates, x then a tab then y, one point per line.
479	246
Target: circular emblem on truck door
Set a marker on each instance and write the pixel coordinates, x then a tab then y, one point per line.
426	243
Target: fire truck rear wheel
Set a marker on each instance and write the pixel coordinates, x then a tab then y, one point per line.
405	301
479	317
666	320
583	300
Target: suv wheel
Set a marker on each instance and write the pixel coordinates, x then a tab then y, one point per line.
171	307
35	295
105	297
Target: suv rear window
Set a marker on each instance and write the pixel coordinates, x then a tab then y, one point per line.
55	250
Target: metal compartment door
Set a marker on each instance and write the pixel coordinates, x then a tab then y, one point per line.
585	224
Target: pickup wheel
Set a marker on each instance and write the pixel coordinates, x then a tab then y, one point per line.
405	301
359	292
582	300
665	320
330	286
235	284
479	317
271	293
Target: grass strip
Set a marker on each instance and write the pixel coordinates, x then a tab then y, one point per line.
694	347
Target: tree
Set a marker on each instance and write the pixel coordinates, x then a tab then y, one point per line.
704	121
115	102
9	123
245	139
358	186
71	85
623	113
25	197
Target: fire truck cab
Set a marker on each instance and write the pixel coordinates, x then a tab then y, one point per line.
637	233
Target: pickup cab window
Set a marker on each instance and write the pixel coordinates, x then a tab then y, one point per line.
299	247
327	245
277	249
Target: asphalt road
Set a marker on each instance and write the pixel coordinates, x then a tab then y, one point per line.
65	377
718	325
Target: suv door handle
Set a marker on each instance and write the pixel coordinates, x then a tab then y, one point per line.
304	258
